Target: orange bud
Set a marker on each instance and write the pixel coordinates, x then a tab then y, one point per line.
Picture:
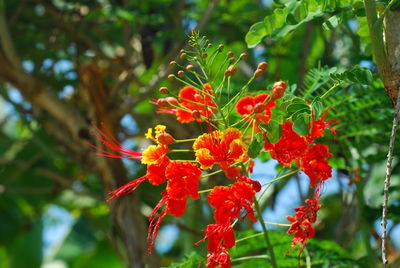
259	108
263	66
181	73
172	63
221	47
190	67
258	73
243	56
163	90
162	102
196	114
277	92
280	84
165	138
172	101
171	77
230	54
232	70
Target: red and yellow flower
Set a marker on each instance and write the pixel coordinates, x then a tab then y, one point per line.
256	109
224	148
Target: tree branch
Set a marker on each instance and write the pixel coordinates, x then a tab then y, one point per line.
396	119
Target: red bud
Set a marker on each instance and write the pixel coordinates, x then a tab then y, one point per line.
259	108
165	138
171	100
258	73
263	66
163	90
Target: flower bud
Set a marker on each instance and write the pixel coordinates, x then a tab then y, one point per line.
263	66
280	84
162	102
165	138
243	56
163	90
230	54
232	70
181	73
227	72
183	56
172	101
196	58
259	108
277	92
196	114
204	55
258	73
209	45
172	63
182	50
232	59
190	67
221	47
171	77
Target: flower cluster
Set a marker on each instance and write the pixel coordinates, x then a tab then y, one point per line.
225	148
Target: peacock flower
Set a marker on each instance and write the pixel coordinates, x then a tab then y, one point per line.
183	180
302	222
290	146
229	200
198	104
315	163
107	139
317	127
257	106
224	148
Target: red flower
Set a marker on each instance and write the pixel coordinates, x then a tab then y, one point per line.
262	110
315	164
317	127
183	180
302	222
193	104
194	100
112	143
229	200
290	146
219	236
302	230
225	148
219	259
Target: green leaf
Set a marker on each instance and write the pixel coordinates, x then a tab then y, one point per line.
274	131
191	260
256	145
300	126
256	34
317	107
332	23
297	106
357	75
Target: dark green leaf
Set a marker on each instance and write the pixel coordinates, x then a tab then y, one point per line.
300	126
256	145
317	107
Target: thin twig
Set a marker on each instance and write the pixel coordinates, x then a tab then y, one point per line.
387	179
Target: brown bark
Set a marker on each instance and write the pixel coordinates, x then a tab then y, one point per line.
392	42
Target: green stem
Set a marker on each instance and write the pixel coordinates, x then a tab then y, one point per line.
265	232
185	140
212	173
251	257
326	94
180	150
283	177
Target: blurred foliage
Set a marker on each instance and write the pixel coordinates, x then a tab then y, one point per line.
315	46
